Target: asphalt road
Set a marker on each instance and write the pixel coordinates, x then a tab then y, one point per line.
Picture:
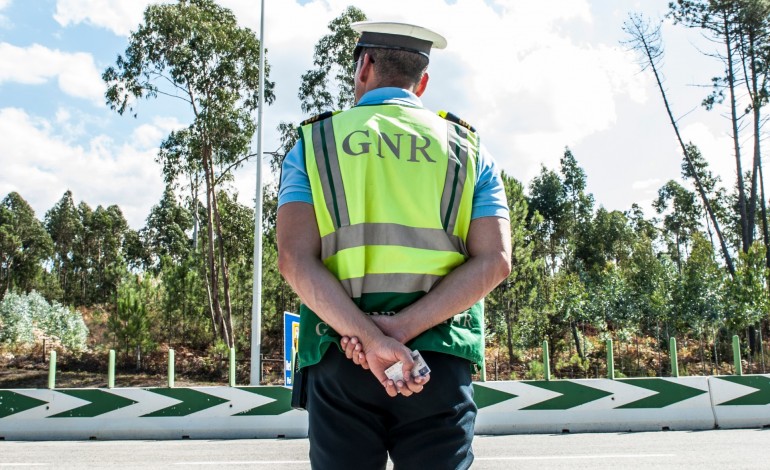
733	449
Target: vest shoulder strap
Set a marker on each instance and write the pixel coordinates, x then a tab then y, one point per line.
454	118
319	117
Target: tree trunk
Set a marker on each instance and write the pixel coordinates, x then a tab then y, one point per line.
509	328
643	38
763	206
576	337
227	318
213	275
736	140
756	105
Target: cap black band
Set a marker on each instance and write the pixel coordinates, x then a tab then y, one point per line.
394	41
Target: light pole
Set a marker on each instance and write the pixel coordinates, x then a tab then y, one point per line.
256	297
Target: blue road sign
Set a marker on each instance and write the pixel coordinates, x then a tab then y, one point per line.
290	340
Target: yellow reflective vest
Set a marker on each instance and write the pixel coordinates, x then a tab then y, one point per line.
392	189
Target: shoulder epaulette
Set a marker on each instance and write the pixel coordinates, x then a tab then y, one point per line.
319	117
454	118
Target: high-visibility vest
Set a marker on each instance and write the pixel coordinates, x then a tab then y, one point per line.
392	190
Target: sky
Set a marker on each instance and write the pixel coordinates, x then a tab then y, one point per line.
532	77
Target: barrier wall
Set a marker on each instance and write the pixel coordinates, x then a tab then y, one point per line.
509	407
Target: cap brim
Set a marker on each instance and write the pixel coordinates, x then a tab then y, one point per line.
402	29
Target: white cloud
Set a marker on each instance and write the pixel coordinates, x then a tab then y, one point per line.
40	164
651	184
75	73
149	136
118	16
4	4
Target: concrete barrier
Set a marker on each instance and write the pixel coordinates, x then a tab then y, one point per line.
741	401
153	413
594	405
509	407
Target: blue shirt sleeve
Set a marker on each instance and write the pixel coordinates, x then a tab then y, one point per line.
295	184
489	197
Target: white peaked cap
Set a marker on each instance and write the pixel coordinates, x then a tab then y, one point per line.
394	35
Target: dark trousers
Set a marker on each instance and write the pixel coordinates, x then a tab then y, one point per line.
354	424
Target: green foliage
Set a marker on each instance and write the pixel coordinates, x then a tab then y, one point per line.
165	233
24	318
748	299
535	371
24	245
130	323
697	298
334	70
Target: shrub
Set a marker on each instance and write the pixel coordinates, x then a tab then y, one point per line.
24	315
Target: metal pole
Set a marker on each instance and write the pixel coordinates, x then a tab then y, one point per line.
674	360
52	371
737	355
170	368
610	361
256	297
546	361
232	367
111	370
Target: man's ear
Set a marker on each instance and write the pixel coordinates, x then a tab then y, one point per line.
366	68
422	84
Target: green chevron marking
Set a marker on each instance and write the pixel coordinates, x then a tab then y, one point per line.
485	396
668	393
282	403
101	402
12	403
573	394
760	397
192	402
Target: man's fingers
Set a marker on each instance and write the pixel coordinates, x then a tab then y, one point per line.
362	361
390	388
351	346
404	389
417	383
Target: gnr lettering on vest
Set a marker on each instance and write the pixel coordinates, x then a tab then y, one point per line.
360	143
463	320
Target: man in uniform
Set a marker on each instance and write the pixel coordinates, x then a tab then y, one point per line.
392	227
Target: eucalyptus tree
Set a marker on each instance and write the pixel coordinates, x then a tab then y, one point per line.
63	224
165	233
681	218
646	40
742	28
195	52
579	203
548	198
103	258
24	245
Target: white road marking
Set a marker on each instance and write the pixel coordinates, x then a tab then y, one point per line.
252	462
579	457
